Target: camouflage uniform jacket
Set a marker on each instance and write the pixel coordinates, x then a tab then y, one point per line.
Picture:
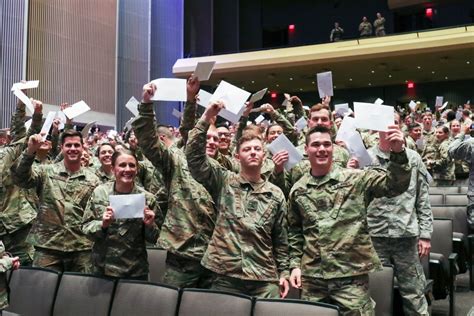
405	215
462	148
6	263
250	238
103	176
328	233
439	162
63	197
120	250
190	219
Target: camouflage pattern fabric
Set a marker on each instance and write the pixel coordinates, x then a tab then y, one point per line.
6	263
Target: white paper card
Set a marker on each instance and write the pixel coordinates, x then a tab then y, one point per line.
28	124
47	124
439	101
300	124
412	105
342	108
26	85
257	96
203	70
283	143
443	106
177	113
458	115
259	119
62	119
87	128
325	84
373	117
76	109
233	97
204	98
170	89
132	106
378	101
128	205
348	134
24	98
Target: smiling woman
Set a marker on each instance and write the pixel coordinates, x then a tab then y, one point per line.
119	248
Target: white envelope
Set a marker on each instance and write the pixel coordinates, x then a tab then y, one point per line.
300	124
283	143
325	84
177	113
132	106
259	119
458	115
257	96
342	108
27	85
128	205
378	101
204	70
233	97
24	98
62	119
412	105
28	124
85	131
204	98
443	106
76	109
438	102
47	124
170	89
348	134
373	117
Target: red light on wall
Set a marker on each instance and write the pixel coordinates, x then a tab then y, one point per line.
410	84
429	12
291	27
274	95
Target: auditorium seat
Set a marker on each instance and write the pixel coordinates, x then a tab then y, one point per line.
82	294
278	307
32	291
208	302
436	199
156	264
141	298
381	290
455	199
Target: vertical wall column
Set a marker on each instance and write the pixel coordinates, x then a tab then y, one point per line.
167	20
13	21
133	54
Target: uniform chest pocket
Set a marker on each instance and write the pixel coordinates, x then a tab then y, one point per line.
261	208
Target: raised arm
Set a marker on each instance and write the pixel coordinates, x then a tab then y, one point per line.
23	173
190	108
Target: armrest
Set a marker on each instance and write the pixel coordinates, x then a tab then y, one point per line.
453	267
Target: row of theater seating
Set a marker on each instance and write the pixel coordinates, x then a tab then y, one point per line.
38	292
452	240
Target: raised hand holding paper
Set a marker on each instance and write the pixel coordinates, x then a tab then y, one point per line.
76	109
438	102
132	106
24	98
47	124
257	96
348	134
283	143
87	128
325	84
373	117
300	124
412	105
204	98
25	85
170	89
233	98
128	205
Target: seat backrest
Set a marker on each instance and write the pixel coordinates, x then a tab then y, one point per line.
441	239
381	290
463	190
444	190
278	307
156	264
82	294
455	199
32	291
436	199
207	302
142	298
457	213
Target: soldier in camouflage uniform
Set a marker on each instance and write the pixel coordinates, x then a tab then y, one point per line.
462	148
437	160
17	206
63	189
401	228
119	248
249	247
461	167
6	263
190	219
331	253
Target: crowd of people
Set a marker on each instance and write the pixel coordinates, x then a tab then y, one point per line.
228	213
365	28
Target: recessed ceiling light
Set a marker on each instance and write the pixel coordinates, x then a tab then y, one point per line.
243	88
334	87
253	81
350	79
468	62
301	89
291	78
370	84
313	82
433	72
406	81
390	76
373	71
277	85
446	77
419	67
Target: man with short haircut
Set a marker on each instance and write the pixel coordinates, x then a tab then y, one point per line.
248	250
437	160
64	189
414	134
331	253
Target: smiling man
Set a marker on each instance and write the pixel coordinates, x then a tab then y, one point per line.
331	253
63	189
